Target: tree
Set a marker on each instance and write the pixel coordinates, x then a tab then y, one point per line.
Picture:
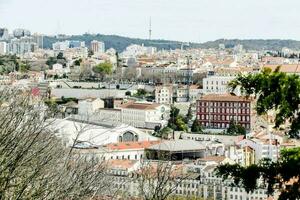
35	164
77	62
158	180
282	175
176	121
103	69
51	61
235	129
196	127
189	115
60	56
280	92
141	92
276	91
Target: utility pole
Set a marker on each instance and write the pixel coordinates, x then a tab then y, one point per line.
150	29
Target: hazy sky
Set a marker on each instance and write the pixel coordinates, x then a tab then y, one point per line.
187	20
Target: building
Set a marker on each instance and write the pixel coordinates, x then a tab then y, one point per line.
216	84
164	94
144	115
92	135
88	107
97	46
39	40
3	48
60	46
22	45
4	34
217	111
18	33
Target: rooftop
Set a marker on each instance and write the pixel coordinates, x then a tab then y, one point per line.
177	145
140	106
131	145
224	97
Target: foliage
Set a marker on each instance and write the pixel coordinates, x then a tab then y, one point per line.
120	43
34	163
197	127
235	129
103	68
163	133
51	61
60	56
9	63
77	62
189	115
176	121
140	93
283	175
275	91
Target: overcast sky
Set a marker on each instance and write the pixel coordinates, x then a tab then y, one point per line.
186	20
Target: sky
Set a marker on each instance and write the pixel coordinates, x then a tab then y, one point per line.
183	20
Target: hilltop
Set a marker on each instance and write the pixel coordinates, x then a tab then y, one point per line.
120	43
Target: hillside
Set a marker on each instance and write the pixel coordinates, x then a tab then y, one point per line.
120	43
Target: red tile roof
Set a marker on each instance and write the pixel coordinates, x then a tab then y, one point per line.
224	97
131	145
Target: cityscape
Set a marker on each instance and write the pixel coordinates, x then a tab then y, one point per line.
96	116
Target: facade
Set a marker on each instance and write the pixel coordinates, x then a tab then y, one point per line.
216	84
22	45
164	94
217	111
144	115
4	34
88	107
39	40
97	46
3	48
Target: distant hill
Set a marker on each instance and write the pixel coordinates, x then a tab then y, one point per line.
120	43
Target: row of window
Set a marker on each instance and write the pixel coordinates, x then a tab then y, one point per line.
224	117
224	104
128	157
224	110
221	125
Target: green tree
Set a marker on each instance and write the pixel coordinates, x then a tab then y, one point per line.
282	175
279	92
189	115
77	62
51	61
60	56
103	68
197	127
176	121
141	93
276	91
235	129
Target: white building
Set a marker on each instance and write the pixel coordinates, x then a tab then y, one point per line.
95	135
216	84
88	107
144	115
3	48
60	46
164	94
97	46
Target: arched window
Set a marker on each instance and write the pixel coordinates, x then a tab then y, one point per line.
129	137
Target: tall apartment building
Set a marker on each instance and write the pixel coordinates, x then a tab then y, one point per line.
97	46
3	48
4	34
216	111
22	45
